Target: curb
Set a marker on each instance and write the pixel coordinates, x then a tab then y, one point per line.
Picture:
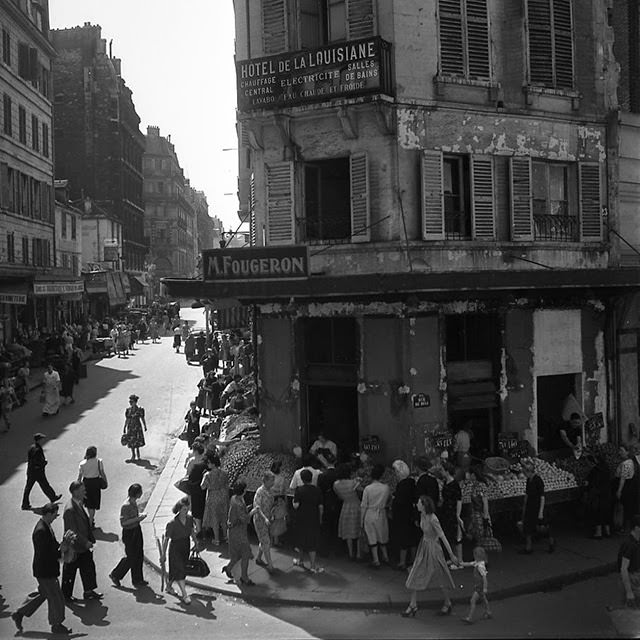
554	583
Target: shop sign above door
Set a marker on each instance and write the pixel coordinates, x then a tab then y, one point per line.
257	263
338	70
57	288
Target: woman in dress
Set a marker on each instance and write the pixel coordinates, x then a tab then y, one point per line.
192	423
263	507
134	422
91	474
67	382
239	547
479	518
373	511
403	515
533	507
345	487
429	570
451	510
196	492
280	513
600	500
51	391
626	487
216	483
178	536
307	501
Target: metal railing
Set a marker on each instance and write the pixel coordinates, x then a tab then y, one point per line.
556	228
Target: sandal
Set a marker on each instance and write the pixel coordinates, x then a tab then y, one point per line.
186	599
261	563
248	582
171	591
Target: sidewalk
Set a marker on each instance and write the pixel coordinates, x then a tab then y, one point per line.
355	585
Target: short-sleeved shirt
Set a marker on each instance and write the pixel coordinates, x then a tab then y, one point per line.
127	512
625	469
630	549
296	481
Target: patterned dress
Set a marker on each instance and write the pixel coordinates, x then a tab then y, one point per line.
280	513
133	427
239	547
349	521
264	500
475	527
216	509
429	570
179	536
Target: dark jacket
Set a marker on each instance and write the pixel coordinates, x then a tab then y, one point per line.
36	461
427	485
76	519
46	552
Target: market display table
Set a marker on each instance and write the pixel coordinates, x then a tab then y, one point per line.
103	346
514	503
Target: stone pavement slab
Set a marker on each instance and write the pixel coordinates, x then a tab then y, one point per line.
357	585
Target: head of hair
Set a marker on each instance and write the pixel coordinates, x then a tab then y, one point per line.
480	554
309	460
428	504
237	378
276	466
343	471
306	476
135	490
423	463
267	477
239	488
401	469
74	486
50	507
528	466
134	397
449	468
377	472
91	452
183	502
213	458
574	416
476	470
197	447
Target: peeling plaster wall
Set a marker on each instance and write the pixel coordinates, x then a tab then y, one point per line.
594	364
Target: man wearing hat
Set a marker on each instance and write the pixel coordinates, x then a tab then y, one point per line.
36	462
46	569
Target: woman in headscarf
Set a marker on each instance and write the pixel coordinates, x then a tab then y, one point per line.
404	532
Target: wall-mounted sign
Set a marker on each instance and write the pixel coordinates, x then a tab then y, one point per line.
337	70
57	288
256	263
421	400
111	253
12	298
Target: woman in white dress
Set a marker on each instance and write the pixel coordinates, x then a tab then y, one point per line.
91	474
373	512
51	391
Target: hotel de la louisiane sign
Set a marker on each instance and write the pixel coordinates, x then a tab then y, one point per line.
345	69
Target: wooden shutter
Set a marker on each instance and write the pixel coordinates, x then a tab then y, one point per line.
590	205
521	210
360	215
360	19
280	204
478	39
540	42
275	27
253	233
432	195
451	37
482	205
5	192
563	44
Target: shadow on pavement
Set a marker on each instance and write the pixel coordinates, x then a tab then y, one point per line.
92	614
43	634
197	608
28	419
144	595
145	464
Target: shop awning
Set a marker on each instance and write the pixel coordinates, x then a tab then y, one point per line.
95	282
115	288
13	293
137	285
400	285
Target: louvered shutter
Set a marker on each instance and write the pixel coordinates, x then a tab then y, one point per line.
478	39
275	28
451	38
360	19
590	206
563	44
280	204
5	193
253	233
521	210
360	224
540	42
432	195
482	191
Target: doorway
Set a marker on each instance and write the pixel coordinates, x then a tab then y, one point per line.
551	393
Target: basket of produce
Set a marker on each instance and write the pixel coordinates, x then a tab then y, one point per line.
496	465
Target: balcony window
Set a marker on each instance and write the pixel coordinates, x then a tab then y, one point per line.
554	192
322	22
456	182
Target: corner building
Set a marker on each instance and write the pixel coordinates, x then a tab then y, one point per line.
446	164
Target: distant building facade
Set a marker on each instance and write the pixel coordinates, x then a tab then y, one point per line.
99	145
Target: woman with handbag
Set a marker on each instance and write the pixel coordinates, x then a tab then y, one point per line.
178	536
91	474
134	421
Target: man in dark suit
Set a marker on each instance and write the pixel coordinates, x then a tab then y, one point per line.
36	462
46	569
77	520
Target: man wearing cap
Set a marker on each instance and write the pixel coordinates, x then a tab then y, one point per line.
36	462
46	569
77	521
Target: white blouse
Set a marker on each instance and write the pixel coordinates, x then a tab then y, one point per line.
90	468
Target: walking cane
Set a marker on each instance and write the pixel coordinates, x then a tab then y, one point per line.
162	562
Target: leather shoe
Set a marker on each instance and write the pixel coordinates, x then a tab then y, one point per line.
17	620
71	600
26	507
92	595
57	497
116	582
60	628
140	583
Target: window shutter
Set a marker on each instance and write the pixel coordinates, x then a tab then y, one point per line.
590	207
482	204
360	215
540	42
521	210
360	19
451	39
5	194
432	195
478	38
563	43
280	204
253	233
34	68
275	28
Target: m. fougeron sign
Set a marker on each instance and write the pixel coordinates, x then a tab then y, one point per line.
258	263
350	68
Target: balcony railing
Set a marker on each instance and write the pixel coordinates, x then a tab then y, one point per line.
556	228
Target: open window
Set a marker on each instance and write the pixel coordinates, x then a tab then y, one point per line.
555	212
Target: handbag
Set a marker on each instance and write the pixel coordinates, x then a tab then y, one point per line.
184	434
183	485
103	479
489	541
196	566
618	516
124	439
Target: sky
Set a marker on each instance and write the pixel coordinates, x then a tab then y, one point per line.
177	58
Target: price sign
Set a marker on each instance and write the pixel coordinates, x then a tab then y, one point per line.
442	440
507	443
